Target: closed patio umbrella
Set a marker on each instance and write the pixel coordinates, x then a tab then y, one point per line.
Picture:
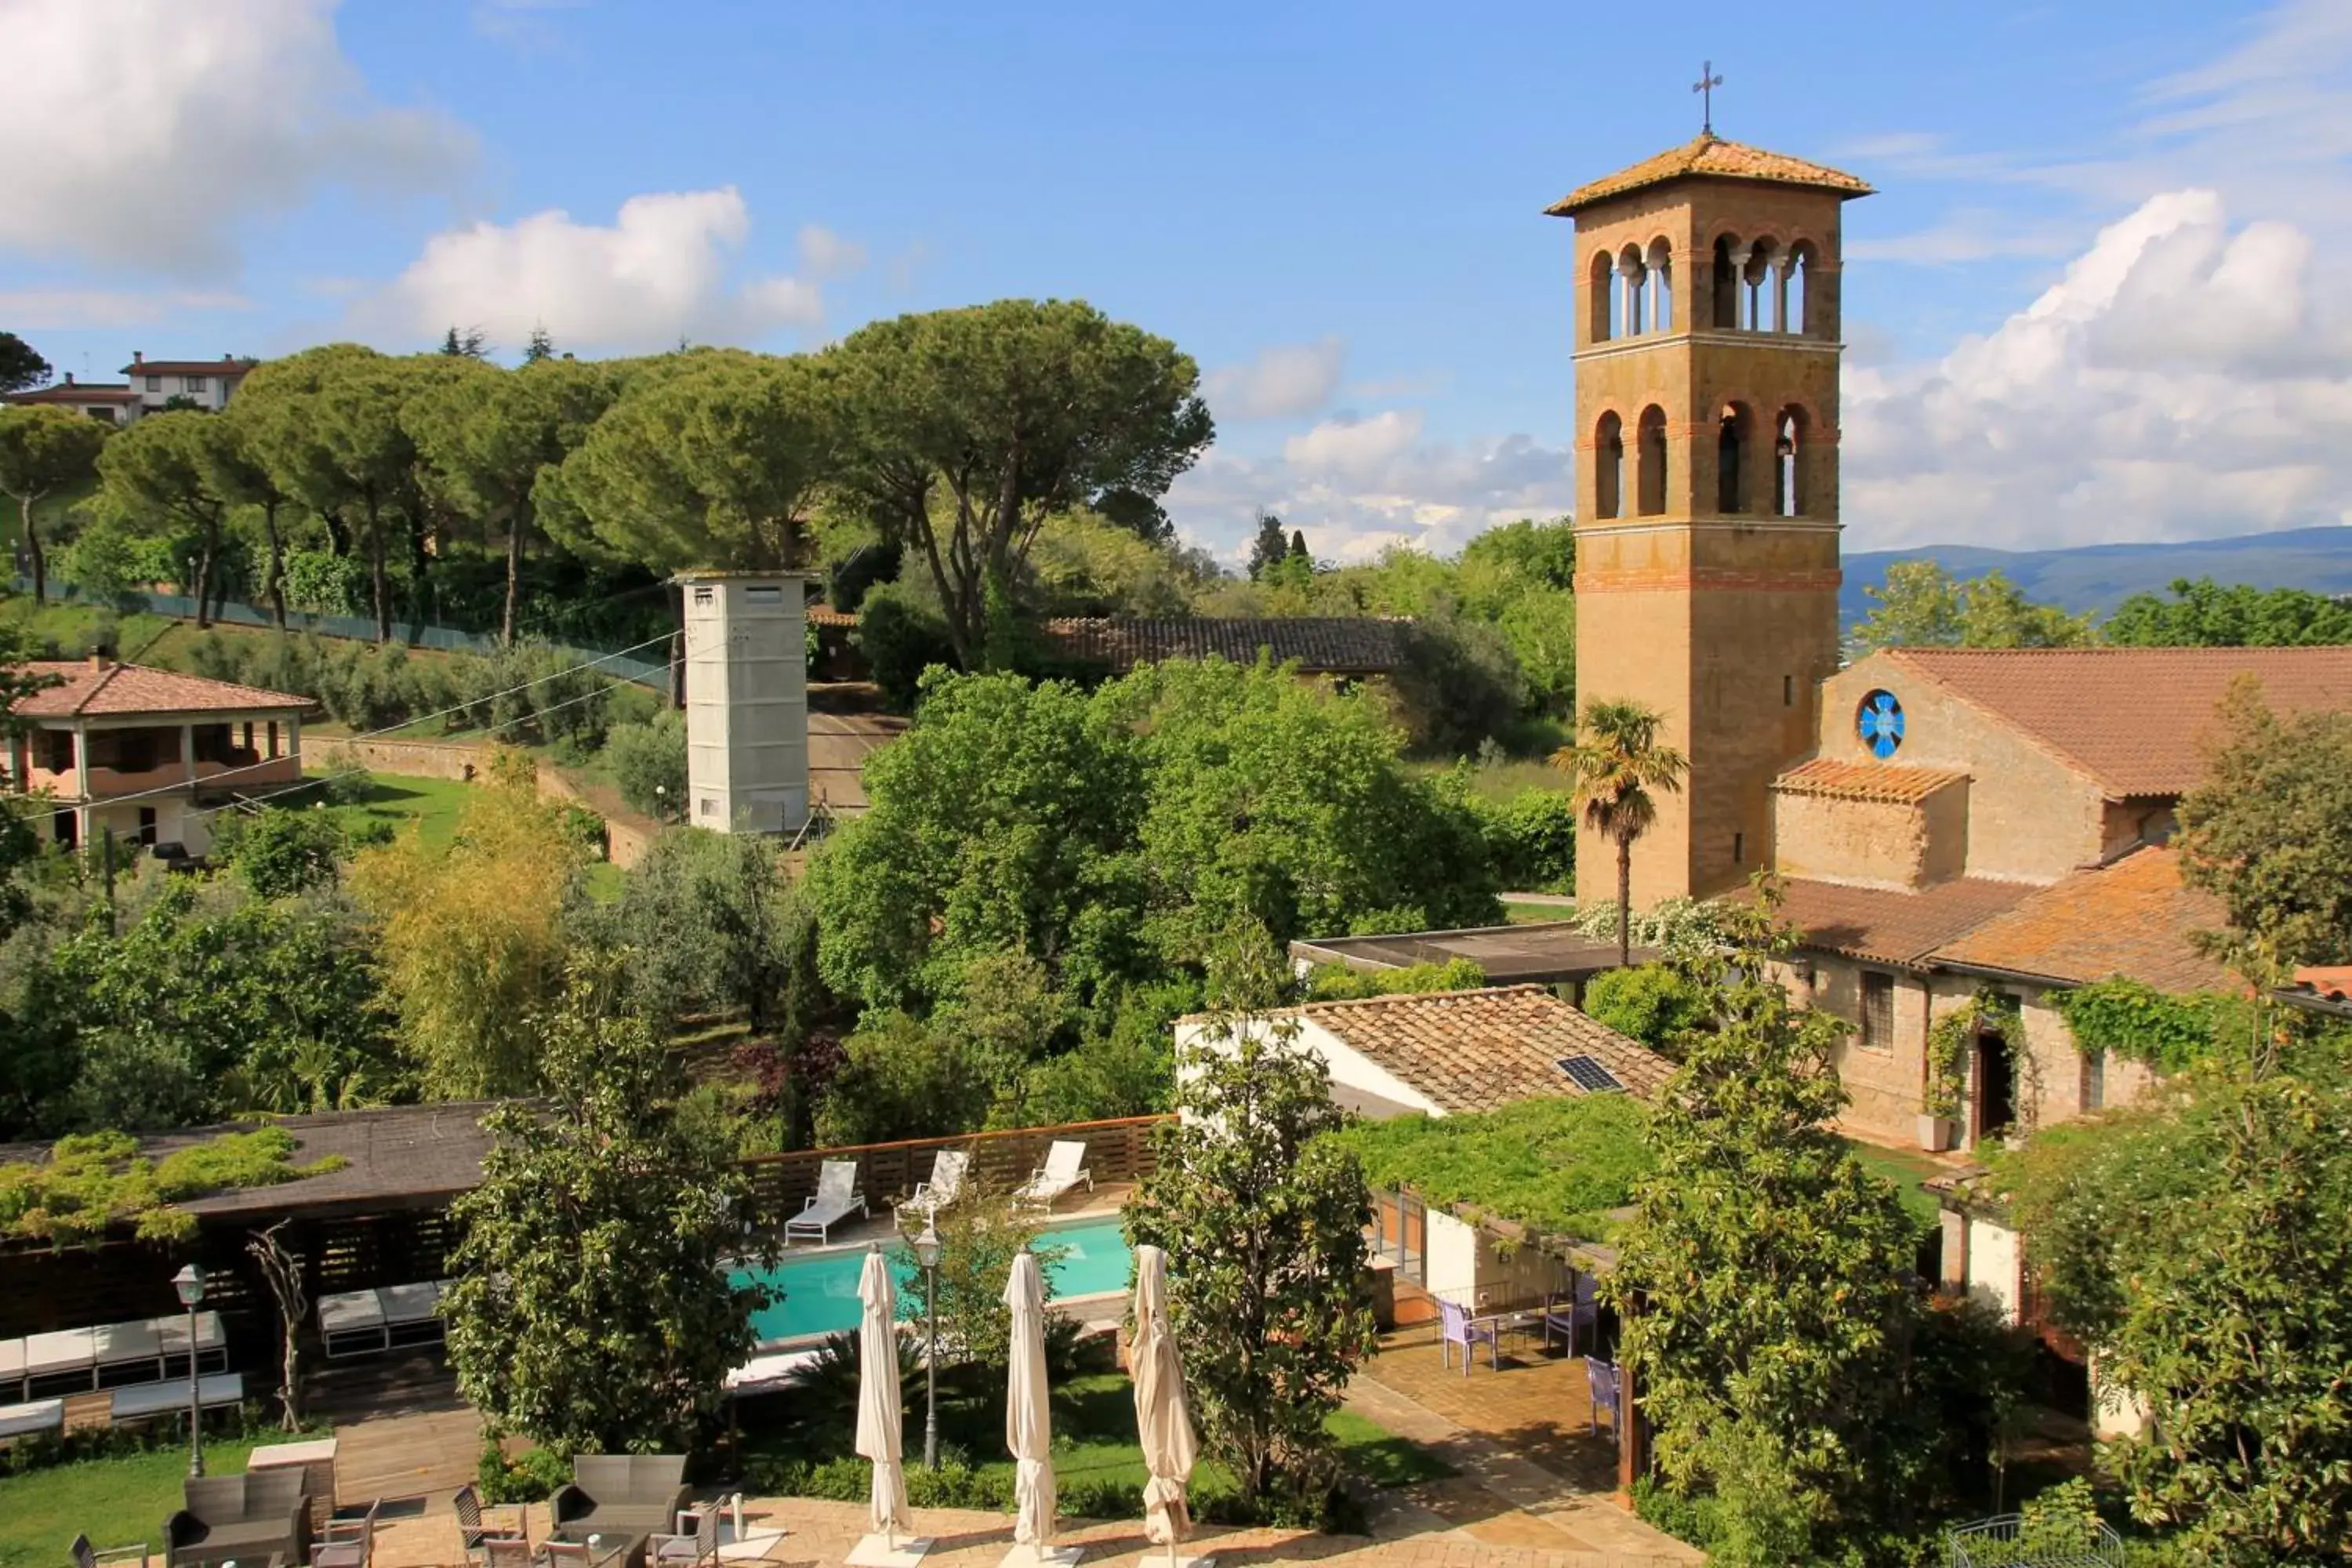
881	1412
1163	1418
1028	1423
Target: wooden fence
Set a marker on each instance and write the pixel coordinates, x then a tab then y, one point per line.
1121	1151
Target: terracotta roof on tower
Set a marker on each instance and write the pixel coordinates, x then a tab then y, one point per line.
1867	781
1892	925
85	688
2132	917
2132	717
1710	157
1479	1050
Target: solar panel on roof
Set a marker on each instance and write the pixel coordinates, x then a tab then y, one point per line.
1589	1075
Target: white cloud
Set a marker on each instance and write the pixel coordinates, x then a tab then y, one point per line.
662	271
143	133
2183	378
64	310
1282	383
828	255
1358	487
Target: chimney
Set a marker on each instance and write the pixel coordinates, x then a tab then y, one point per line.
69	378
99	661
137	357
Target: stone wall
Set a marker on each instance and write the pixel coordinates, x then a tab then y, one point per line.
1871	843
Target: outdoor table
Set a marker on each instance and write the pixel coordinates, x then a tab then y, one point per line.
226	1557
625	1547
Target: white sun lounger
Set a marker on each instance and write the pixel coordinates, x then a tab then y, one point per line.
411	1313
944	1187
1064	1168
138	1346
68	1356
352	1323
836	1195
12	1367
211	1343
39	1416
214	1388
766	1373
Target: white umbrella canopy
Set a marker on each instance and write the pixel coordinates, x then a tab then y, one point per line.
1163	1418
1028	1422
881	1410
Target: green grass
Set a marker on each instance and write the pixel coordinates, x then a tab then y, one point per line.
1906	1171
119	1501
433	804
1503	780
1534	915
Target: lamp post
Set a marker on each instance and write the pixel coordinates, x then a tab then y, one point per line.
927	1253
190	1283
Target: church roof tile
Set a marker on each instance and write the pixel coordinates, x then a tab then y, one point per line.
1865	781
1892	925
1709	156
2132	917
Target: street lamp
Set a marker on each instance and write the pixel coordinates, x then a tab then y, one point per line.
927	1253
190	1283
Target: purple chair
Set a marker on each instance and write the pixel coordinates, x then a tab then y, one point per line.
1606	1384
1578	1310
1457	1327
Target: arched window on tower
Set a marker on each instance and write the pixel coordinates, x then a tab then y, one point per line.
1662	286
1649	476
1731	452
1600	303
1788	471
1636	286
1609	467
1799	285
1726	283
1757	288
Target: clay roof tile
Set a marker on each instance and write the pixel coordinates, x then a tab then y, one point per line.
1710	157
1478	1050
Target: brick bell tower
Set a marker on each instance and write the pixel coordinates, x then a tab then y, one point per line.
1706	510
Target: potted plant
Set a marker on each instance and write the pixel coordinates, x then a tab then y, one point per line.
1939	1095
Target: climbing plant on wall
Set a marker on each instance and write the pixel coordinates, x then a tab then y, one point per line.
1950	1037
2169	1031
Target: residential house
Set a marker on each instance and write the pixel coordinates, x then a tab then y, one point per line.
206	383
113	402
148	753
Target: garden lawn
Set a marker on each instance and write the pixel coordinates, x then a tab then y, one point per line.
120	1501
1535	914
433	804
1906	1171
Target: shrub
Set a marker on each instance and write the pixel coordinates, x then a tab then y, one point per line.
283	852
325	584
1338	983
528	1477
647	763
1531	839
900	641
1652	1003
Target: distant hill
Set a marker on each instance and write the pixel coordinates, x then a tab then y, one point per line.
2101	576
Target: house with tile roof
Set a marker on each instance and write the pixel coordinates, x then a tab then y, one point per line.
149	386
148	752
1973	818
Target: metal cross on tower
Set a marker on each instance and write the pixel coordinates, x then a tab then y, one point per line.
1704	87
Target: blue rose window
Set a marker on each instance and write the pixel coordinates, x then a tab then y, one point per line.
1880	722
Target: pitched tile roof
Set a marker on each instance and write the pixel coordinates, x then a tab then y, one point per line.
2333	981
2132	717
1865	781
1708	155
2132	917
1891	926
77	391
1477	1050
86	689
1322	645
225	366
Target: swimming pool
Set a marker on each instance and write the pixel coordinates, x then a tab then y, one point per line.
821	1290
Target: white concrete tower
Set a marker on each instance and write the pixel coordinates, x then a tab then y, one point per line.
746	701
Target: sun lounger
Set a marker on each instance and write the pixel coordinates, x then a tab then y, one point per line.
214	1388
40	1416
411	1313
212	1344
130	1347
12	1368
1064	1168
944	1187
766	1373
352	1323
836	1195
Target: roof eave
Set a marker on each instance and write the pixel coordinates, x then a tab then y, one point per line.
1578	201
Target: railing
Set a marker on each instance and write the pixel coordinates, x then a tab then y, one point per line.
2011	1541
352	629
1120	1151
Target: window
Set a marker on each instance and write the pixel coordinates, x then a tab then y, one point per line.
764	594
193	383
1877	1012
154	384
702	595
1400	1224
53	750
708	807
1739	848
2094	1080
147	827
1788	691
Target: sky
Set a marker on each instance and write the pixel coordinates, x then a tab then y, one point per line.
2105	292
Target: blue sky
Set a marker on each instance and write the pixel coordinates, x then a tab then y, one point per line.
2096	298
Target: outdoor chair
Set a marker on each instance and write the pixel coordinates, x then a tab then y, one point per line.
86	1556
507	1551
346	1542
1566	1315
1606	1384
257	1514
579	1554
944	1187
1457	1327
836	1195
478	1532
621	1494
1064	1168
696	1541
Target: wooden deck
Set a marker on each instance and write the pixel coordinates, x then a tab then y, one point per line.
402	1431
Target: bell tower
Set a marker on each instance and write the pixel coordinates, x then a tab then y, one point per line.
1706	510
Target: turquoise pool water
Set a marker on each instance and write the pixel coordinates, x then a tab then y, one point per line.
821	1290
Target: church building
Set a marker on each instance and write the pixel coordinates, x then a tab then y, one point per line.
1947	821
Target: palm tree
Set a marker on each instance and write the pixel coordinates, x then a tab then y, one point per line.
1616	763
